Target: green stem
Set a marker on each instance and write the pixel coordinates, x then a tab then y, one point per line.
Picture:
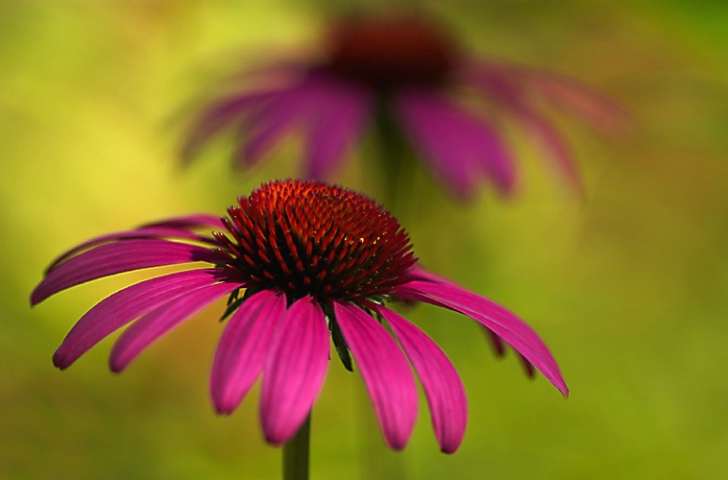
296	453
395	158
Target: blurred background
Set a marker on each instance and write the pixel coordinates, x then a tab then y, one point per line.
627	284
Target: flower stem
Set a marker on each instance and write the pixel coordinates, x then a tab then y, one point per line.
395	156
295	453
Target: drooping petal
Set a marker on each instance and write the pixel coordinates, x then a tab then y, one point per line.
220	115
578	99
457	146
243	347
510	97
496	342
113	258
161	320
276	117
528	367
500	321
339	120
188	222
553	143
499	347
124	306
179	228
294	370
385	370
442	384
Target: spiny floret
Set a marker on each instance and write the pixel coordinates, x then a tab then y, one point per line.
310	238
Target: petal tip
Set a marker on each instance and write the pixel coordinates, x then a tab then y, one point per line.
277	432
117	366
275	439
223	408
564	391
397	444
61	361
449	449
36	297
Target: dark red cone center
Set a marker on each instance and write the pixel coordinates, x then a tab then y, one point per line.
311	238
391	51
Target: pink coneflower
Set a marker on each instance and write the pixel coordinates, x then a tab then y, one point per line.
404	73
303	264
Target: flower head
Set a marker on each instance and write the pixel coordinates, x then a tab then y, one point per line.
388	52
301	262
403	70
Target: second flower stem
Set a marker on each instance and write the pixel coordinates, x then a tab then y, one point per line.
296	453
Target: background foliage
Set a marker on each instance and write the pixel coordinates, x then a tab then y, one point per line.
627	284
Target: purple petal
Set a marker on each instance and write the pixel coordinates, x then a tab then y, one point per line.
528	367
508	93
577	99
124	306
456	144
220	115
442	384
500	321
496	342
294	370
115	258
172	228
553	143
385	370
189	222
278	115
161	320
499	348
340	119
243	347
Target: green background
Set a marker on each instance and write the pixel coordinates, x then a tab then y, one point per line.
627	284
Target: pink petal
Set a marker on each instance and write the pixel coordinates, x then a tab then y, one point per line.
508	94
528	367
189	222
220	115
115	258
339	121
577	99
158	322
171	228
500	350
500	321
243	347
294	370
497	342
456	145
385	371
553	143
124	306
442	384
278	116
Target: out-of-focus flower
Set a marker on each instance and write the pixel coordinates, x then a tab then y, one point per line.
300	262
404	71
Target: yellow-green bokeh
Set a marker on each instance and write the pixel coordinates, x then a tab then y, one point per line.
627	284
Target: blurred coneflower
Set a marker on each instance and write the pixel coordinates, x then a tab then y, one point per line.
301	262
404	73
